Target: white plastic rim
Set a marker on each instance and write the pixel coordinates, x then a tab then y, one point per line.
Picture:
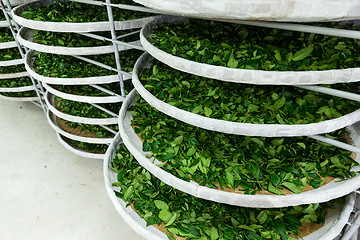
19	99
17	89
268	10
77	151
52	121
259	77
49	99
68	26
351	230
237	128
19	2
332	190
335	221
25	38
13	75
68	81
126	212
4	23
6	45
85	99
11	62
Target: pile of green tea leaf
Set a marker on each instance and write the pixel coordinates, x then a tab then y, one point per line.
15	82
19	94
85	109
9	54
6	35
77	40
244	103
247	164
89	147
193	218
12	69
94	130
248	47
60	66
86	90
68	11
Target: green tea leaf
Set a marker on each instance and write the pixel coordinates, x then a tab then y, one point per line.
273	189
193	141
172	220
253	236
301	145
279	103
262	217
292	187
208	111
255	171
278	55
161	205
177	141
165	215
335	161
232	63
230	178
275	179
247	228
194	231
303	53
280	229
171	237
146	146
191	151
214	233
277	141
128	192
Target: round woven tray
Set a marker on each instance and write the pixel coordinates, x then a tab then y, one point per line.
25	38
332	190
78	151
67	81
68	26
334	223
227	74
54	124
19	99
268	10
50	102
85	99
6	45
13	75
249	129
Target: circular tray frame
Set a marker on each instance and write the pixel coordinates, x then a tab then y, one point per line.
335	220
52	121
11	62
332	190
17	89
264	10
67	81
19	99
4	23
259	77
49	99
248	129
25	38
68	26
7	45
85	99
13	75
77	151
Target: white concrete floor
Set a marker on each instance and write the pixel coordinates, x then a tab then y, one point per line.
47	192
